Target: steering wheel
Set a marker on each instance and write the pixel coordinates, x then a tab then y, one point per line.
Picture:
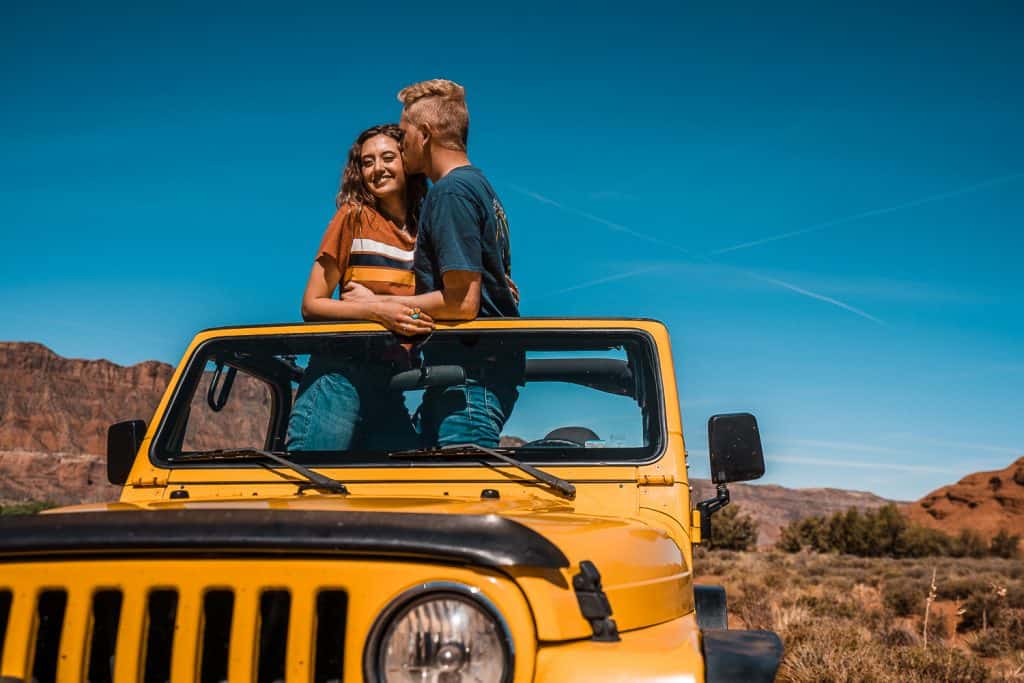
552	443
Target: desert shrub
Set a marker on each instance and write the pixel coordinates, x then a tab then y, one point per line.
1005	634
905	596
885	532
981	610
731	530
960	588
919	541
840	636
828	606
29	508
900	635
988	643
790	539
939	664
1015	596
837	652
753	606
969	544
1005	544
775	579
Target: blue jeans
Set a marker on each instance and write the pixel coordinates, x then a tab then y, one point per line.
346	405
466	413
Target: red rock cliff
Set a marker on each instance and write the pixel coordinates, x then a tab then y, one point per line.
984	502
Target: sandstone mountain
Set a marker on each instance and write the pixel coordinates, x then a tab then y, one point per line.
54	414
53	404
984	502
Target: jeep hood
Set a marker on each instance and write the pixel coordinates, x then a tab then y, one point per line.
539	543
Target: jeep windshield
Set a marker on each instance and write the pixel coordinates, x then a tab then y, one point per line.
358	399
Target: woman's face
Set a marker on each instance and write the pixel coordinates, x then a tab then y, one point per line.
381	163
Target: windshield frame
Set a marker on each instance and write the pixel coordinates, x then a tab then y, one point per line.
655	397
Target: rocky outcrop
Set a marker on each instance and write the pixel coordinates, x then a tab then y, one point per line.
52	404
54	414
61	478
986	502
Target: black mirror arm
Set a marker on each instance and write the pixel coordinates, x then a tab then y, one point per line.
709	507
213	399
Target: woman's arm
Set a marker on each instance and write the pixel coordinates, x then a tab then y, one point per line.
317	304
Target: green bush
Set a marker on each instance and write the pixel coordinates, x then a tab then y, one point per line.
885	532
1005	545
29	508
731	530
941	664
969	544
981	611
905	596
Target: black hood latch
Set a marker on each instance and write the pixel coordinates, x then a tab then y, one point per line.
594	603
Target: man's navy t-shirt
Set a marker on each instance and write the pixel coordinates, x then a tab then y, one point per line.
463	227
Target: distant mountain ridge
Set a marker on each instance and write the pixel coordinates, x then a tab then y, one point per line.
774	506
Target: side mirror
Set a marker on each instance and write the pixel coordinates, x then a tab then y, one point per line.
123	441
734	444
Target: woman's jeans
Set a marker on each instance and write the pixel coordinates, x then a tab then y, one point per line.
466	413
346	405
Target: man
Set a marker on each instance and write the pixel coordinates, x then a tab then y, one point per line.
462	264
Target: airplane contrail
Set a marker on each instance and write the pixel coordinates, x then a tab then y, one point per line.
609	278
621	228
967	189
618	227
815	295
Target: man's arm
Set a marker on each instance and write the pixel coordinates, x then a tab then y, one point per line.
317	304
459	300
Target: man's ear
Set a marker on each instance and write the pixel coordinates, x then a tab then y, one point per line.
426	130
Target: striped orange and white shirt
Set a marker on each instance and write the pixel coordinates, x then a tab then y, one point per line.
371	250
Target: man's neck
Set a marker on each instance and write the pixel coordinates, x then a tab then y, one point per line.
443	161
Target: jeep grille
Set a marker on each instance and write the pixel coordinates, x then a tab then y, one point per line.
157	633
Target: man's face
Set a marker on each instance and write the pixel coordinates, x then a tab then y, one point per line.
412	146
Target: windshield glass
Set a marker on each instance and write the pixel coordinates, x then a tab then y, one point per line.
354	399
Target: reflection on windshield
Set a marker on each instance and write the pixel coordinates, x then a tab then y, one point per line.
350	399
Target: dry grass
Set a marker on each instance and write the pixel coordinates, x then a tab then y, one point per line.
846	619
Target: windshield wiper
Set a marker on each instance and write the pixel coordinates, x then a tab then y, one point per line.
560	485
315	479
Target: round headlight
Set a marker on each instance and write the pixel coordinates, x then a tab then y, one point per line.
444	637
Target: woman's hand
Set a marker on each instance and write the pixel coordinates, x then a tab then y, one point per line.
353	291
402	319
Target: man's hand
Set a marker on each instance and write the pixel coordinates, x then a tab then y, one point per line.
353	291
401	318
515	289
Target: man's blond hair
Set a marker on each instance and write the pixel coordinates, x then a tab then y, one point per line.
442	104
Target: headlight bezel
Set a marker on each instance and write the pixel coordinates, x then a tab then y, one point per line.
372	651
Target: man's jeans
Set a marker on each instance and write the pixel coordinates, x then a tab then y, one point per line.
466	413
343	404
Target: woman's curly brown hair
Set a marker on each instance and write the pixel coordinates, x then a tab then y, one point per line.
353	190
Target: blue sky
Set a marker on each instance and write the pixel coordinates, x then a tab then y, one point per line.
824	203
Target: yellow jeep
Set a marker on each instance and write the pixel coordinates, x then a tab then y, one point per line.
563	554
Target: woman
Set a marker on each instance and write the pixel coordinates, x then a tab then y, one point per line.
370	242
